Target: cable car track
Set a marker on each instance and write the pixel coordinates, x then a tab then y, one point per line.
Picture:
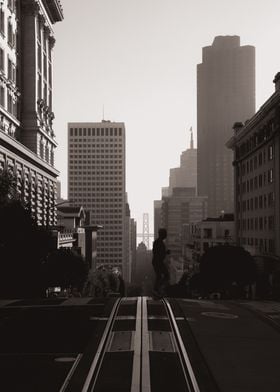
129	360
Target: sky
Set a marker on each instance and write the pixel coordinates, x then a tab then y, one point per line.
138	59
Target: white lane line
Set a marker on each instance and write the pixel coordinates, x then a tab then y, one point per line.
136	370
146	382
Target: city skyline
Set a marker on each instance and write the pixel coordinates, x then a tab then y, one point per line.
148	53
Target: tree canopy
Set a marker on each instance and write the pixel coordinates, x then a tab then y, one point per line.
64	268
23	245
223	266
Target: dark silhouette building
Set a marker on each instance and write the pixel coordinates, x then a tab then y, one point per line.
225	92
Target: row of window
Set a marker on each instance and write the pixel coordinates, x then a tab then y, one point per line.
47	65
74	173
258	202
265	245
93	146
257	161
105	159
256	182
96	131
84	141
255	140
258	223
84	154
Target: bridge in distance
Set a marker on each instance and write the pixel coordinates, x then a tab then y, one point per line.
139	345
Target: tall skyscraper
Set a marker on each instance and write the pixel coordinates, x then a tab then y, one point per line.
27	138
96	180
186	174
225	92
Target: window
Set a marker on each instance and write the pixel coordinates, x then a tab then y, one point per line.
270	152
2	60
270	175
10	102
39	57
39	86
260	201
10	34
271	246
256	203
256	182
261	223
2	22
271	222
10	71
260	159
271	199
2	95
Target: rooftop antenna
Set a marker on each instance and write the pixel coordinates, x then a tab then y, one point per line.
103	119
191	144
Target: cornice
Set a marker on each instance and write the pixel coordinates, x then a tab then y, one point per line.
15	147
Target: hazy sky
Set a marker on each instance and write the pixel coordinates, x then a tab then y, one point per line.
138	58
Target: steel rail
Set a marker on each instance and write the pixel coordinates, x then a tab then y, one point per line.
71	372
95	366
183	355
136	370
145	377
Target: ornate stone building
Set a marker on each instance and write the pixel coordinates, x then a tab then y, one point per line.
27	139
256	179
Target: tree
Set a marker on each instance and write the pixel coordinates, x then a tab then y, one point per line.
23	245
224	267
64	268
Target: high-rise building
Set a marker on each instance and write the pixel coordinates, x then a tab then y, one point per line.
225	92
186	174
27	139
96	180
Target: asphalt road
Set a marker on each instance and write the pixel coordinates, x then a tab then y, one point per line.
232	346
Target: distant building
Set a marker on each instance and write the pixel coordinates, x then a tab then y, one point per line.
130	238
212	232
182	208
96	180
186	174
256	163
157	216
225	92
144	274
74	231
27	138
133	235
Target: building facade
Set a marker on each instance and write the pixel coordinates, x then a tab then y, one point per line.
181	209
212	232
27	139
225	92
96	180
256	150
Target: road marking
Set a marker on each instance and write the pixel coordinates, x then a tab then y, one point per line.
220	315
